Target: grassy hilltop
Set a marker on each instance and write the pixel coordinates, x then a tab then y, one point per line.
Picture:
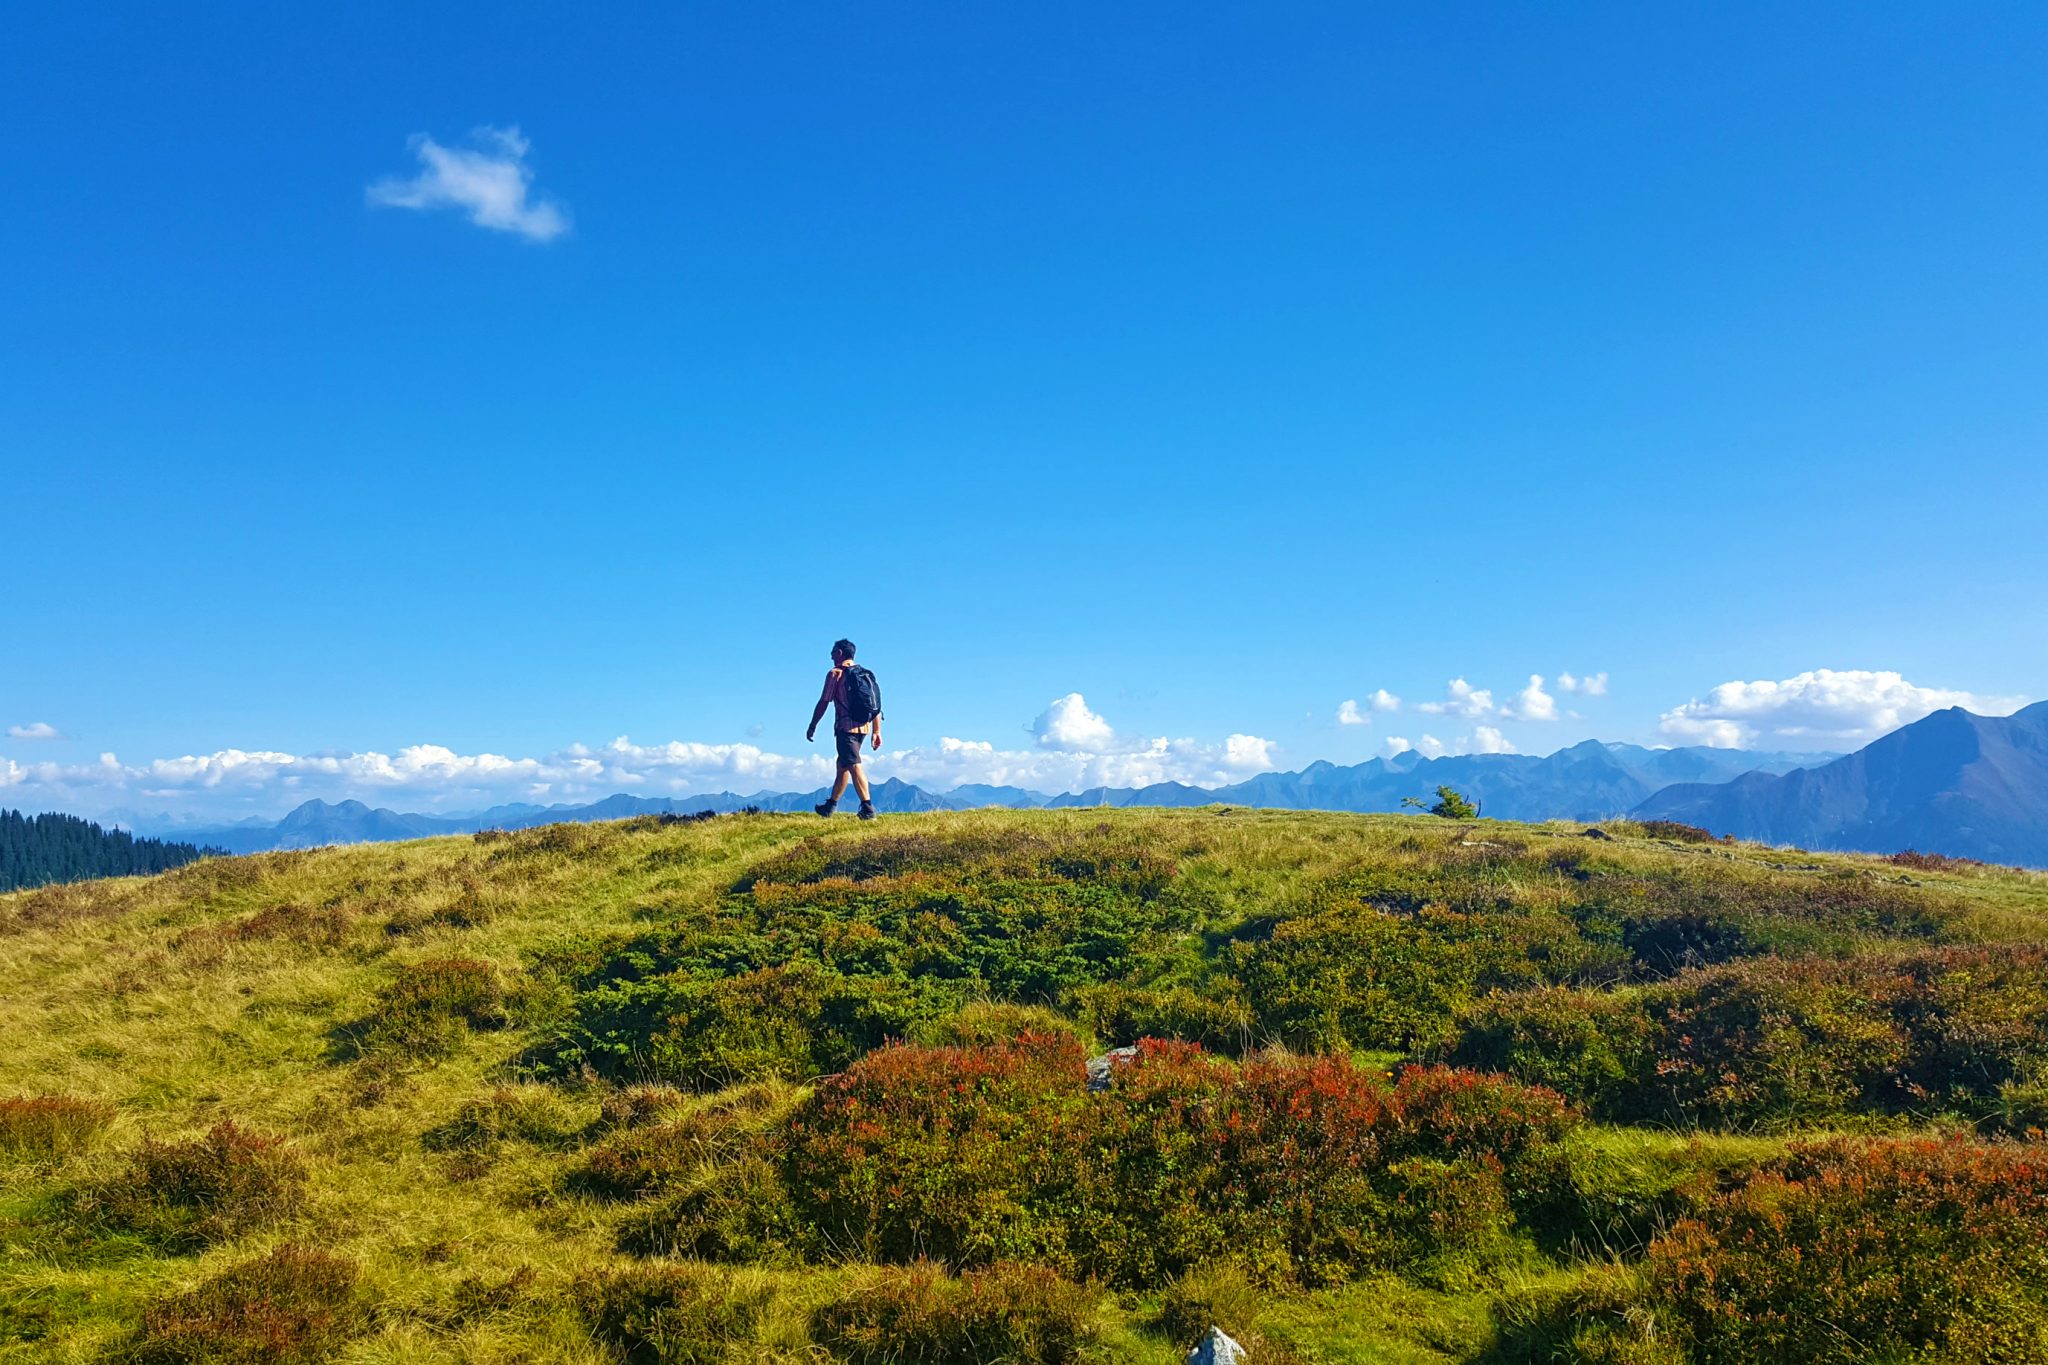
761	1089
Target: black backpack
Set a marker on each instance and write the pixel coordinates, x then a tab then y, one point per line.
860	696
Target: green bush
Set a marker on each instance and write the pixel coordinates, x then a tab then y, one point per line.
672	1315
50	1125
293	1305
212	1188
532	1114
1899	1250
1776	1040
430	1008
1211	1296
1005	1315
1295	1169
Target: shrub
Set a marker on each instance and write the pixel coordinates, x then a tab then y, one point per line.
1451	804
1211	1296
1306	1169
1775	1040
989	1023
1362	978
1680	832
741	1214
50	1125
432	1005
295	1304
1933	862
1005	1315
1913	1249
635	1106
1596	1047
1216	1016
937	1152
190	1194
672	1315
533	1114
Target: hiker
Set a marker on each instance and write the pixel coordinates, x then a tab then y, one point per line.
856	700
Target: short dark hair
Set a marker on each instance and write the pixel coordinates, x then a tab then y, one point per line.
842	649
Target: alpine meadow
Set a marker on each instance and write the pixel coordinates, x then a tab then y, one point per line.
1032	1087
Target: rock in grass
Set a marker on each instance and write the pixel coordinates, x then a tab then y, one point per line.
1098	1067
1218	1349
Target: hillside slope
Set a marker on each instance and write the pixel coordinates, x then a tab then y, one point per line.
591	1093
1954	782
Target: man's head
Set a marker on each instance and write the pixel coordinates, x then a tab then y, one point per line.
842	651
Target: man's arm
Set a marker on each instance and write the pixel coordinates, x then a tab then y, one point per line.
878	734
818	711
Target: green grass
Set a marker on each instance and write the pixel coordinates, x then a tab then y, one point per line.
250	990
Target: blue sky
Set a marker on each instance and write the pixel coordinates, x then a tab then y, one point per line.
1216	364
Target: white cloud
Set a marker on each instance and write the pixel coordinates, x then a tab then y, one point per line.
1349	714
489	180
1532	702
1394	746
1590	685
1076	749
1487	740
1383	700
1825	706
1461	699
1429	746
1069	724
34	730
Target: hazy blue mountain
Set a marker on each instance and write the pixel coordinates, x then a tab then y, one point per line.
1954	782
1585	782
972	794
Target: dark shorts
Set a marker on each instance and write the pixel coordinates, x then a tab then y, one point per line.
849	748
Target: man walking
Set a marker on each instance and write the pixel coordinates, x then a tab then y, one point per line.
856	700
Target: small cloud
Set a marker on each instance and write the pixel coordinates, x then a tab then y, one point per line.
1068	724
1591	685
1383	700
1393	746
1461	699
1487	740
1349	714
1248	753
489	180
1532	702
1429	746
34	730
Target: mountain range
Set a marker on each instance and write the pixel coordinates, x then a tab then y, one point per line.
1953	782
1588	781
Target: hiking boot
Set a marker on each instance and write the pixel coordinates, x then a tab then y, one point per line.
826	807
867	810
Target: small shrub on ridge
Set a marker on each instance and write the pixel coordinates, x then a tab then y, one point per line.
293	1305
50	1125
209	1189
1005	1315
672	1315
432	1005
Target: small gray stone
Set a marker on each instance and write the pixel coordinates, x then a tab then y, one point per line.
1099	1067
1218	1349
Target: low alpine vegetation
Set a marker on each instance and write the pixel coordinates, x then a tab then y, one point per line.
209	1189
50	1125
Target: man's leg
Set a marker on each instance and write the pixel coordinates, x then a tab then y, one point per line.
860	784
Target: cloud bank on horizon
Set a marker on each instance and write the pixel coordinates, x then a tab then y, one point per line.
1072	748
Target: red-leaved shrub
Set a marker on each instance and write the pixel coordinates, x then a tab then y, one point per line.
1873	1250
